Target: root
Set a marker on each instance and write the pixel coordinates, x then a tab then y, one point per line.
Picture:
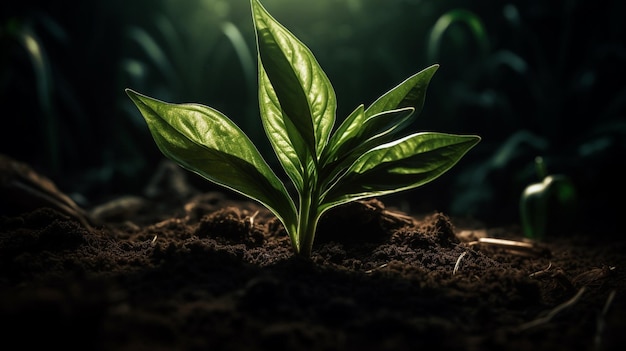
547	318
600	324
541	272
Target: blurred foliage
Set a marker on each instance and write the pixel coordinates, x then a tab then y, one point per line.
59	78
532	77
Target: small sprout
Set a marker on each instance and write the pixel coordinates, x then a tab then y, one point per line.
458	262
366	156
547	203
541	272
251	219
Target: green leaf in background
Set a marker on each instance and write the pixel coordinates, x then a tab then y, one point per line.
444	23
548	206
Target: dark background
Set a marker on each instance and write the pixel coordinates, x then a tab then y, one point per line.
531	77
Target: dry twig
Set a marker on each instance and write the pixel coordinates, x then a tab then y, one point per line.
513	246
369	271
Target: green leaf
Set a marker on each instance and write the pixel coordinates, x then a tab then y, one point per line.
382	121
346	131
300	99
372	132
409	93
206	142
288	146
400	165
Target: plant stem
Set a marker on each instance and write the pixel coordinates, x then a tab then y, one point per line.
309	216
540	167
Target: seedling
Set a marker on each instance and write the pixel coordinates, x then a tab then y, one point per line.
366	156
548	204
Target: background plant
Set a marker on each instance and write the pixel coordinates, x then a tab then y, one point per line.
540	88
58	74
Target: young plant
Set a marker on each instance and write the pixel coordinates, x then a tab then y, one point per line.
365	156
548	205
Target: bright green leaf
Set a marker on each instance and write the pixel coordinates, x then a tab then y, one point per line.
346	131
291	150
374	131
400	165
409	93
206	142
305	95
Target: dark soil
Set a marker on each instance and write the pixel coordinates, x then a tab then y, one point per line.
180	269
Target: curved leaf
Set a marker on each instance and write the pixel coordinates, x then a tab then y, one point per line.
346	131
410	93
400	165
374	131
305	102
206	142
371	132
288	146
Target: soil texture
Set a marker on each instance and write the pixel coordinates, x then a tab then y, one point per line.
179	269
